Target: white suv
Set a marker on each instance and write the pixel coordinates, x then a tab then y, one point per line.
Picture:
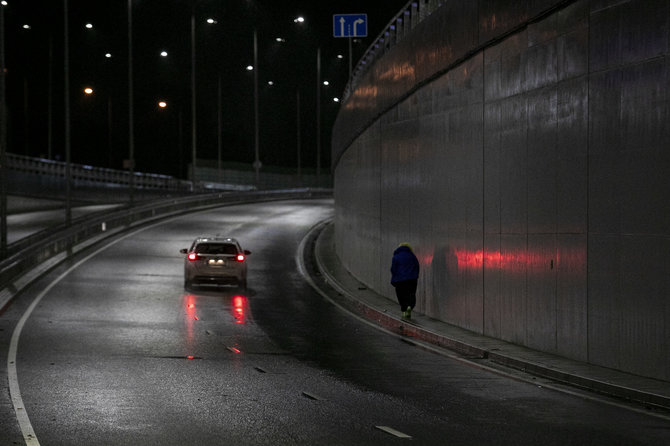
216	261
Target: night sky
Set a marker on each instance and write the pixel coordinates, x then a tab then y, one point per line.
99	122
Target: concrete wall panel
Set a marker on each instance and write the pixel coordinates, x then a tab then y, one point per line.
513	168
571	296
541	306
522	149
513	286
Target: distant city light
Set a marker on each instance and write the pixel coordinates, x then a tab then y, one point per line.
211	21
336	99
162	104
339	56
250	68
300	19
271	83
326	83
3	3
280	39
88	90
108	55
89	26
164	53
26	26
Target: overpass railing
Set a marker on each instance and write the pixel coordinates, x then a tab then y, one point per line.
413	13
95	175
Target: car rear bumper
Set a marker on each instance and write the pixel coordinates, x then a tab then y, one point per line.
216	280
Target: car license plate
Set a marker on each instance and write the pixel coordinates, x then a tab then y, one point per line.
216	262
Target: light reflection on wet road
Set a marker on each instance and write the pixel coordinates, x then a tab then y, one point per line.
119	353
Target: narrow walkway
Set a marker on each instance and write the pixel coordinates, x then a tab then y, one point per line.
652	394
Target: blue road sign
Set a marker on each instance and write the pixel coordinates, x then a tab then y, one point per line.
350	25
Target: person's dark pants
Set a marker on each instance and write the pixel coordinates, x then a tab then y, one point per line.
405	291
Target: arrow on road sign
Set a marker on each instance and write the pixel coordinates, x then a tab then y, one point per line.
350	25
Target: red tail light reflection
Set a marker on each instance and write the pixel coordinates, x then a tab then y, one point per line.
239	304
191	317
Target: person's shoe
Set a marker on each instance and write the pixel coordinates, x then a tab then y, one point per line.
404	315
409	312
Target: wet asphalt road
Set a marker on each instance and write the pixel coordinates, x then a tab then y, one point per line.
117	352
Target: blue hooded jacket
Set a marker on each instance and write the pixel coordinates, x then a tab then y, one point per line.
405	265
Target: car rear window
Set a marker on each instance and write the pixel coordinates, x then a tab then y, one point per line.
216	248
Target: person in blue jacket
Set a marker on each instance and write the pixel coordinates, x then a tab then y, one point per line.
404	276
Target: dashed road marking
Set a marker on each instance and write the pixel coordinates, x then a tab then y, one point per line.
395	433
312	396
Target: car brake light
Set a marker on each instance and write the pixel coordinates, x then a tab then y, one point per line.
193	256
240	258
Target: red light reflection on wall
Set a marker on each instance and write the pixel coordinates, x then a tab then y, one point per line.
491	259
516	260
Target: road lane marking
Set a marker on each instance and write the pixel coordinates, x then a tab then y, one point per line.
311	396
14	389
12	373
395	433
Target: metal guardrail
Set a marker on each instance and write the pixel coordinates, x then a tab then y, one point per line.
413	13
26	256
95	175
208	179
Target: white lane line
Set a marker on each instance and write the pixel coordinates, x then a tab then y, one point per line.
395	433
312	396
14	390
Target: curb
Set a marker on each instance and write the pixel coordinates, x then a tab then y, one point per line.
650	393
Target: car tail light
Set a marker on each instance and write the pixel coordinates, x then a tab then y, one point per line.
240	258
193	256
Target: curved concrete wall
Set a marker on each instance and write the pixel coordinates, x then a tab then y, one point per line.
523	152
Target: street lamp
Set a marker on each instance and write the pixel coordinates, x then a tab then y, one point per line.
318	116
3	139
194	133
66	97
131	137
257	161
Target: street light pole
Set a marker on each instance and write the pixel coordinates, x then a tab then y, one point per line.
193	111
297	118
257	161
3	141
219	133
318	117
131	137
66	88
